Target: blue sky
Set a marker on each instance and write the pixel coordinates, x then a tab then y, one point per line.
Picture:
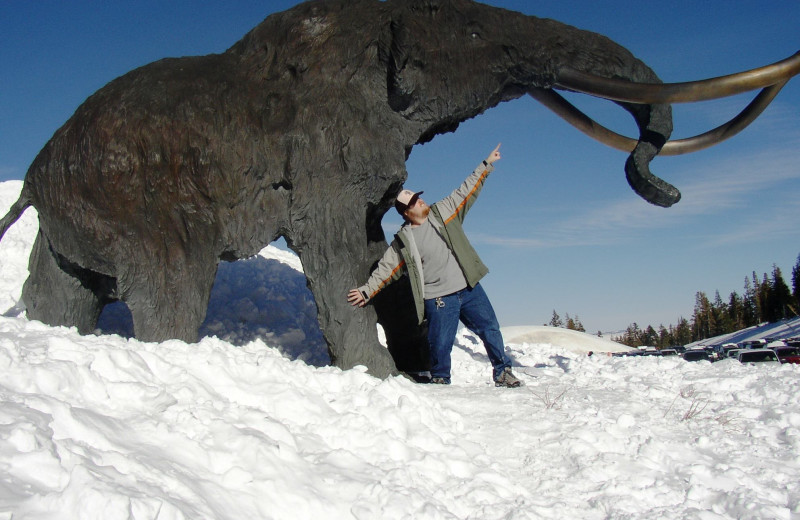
557	224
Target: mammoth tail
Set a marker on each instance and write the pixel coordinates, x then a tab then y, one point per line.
19	207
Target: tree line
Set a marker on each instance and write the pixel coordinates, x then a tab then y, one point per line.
764	300
767	299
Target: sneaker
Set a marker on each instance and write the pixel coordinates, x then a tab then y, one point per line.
417	377
440	380
507	379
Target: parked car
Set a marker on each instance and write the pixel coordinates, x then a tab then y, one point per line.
758	355
734	353
722	350
696	355
668	352
788	354
753	343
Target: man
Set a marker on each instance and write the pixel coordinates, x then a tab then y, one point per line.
444	271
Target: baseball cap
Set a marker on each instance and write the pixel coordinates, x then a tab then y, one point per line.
405	199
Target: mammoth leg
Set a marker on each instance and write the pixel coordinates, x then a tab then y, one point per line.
336	258
169	299
61	294
406	340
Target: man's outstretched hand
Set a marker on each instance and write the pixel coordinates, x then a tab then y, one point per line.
355	298
494	156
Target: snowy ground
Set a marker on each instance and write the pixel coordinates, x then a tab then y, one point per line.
104	427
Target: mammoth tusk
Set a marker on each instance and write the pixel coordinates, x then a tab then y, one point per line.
588	126
729	129
572	115
666	93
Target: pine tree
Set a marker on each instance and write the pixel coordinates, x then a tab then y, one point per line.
763	299
703	319
749	311
664	337
719	312
758	299
736	318
579	325
683	332
649	336
779	296
796	287
555	321
570	323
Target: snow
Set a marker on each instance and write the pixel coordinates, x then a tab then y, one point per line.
573	340
107	427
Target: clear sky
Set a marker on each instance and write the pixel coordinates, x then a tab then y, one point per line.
557	224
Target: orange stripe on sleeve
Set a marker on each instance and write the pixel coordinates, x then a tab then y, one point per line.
469	196
387	279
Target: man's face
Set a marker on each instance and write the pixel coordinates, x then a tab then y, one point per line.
417	212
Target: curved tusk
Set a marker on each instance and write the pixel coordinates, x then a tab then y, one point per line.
729	129
572	115
595	130
666	93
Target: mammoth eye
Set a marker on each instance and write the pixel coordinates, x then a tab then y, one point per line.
475	35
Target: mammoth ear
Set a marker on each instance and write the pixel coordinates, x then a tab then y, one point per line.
395	52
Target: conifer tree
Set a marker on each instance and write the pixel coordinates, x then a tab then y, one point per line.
779	296
664	337
796	288
758	299
555	321
683	332
703	319
719	313
736	318
579	325
649	336
570	323
763	299
749	311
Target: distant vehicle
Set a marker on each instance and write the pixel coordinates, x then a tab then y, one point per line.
733	353
753	343
788	354
758	355
668	352
695	355
722	350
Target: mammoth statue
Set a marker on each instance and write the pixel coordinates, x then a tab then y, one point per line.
301	130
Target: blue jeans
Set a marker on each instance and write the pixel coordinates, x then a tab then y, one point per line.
474	309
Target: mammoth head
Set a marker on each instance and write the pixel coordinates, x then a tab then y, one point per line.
449	60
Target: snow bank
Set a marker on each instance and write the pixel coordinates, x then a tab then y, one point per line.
565	338
106	427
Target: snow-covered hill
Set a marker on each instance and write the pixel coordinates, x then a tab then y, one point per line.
108	427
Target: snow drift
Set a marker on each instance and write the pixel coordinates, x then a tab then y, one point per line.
108	427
